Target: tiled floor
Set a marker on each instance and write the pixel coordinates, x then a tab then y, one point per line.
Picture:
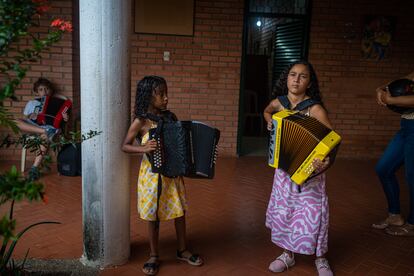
225	224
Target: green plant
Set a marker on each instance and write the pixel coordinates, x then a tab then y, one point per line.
14	187
17	17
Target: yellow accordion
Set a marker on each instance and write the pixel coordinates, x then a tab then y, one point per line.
296	140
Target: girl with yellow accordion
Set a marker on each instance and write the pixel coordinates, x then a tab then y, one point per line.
299	218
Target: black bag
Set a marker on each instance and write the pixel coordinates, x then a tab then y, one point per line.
69	160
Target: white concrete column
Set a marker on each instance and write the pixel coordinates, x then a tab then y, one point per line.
105	106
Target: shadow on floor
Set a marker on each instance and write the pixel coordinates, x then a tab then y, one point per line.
225	224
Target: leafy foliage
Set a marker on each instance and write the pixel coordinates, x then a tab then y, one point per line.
17	17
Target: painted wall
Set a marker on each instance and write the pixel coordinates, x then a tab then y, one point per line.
349	80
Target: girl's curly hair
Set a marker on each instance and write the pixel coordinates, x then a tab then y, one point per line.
281	84
143	95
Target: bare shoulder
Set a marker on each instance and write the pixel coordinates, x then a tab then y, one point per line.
137	125
274	106
317	108
319	112
138	122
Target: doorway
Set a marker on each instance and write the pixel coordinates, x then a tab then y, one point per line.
275	34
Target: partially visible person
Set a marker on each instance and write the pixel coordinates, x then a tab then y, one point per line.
400	151
41	88
299	217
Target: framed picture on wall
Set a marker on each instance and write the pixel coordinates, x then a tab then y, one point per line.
173	17
377	35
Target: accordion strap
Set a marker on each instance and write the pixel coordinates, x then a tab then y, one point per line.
284	100
166	116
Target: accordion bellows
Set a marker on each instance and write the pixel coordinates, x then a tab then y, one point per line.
53	109
296	140
185	148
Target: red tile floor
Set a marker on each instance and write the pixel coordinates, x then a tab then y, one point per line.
225	224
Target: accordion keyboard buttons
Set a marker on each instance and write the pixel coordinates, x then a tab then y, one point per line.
157	155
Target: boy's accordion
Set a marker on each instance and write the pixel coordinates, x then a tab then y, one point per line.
296	140
53	109
184	148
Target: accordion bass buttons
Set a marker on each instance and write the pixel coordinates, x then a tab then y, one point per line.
215	154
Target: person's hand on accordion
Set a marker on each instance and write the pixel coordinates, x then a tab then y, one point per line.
269	125
149	146
382	95
320	165
65	116
32	116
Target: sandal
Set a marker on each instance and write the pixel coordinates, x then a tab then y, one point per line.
283	262
391	220
192	259
151	266
323	267
406	230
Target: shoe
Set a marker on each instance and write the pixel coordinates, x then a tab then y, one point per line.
406	230
152	266
323	267
392	219
282	262
34	173
192	259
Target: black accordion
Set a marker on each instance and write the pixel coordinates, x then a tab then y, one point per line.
184	148
296	140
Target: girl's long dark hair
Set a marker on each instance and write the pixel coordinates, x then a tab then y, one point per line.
313	91
143	95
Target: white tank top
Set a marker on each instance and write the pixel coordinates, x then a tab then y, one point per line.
409	116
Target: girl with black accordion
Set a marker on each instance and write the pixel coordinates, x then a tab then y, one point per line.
160	198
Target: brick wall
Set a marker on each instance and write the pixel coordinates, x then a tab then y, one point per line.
56	65
348	81
203	73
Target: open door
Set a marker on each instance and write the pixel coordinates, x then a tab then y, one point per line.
271	41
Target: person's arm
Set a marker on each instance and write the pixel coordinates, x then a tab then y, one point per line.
405	101
380	91
32	116
29	110
270	109
384	97
128	144
319	112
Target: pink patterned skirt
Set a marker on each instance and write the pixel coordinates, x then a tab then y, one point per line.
299	220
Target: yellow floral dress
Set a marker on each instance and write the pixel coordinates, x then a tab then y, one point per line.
171	203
